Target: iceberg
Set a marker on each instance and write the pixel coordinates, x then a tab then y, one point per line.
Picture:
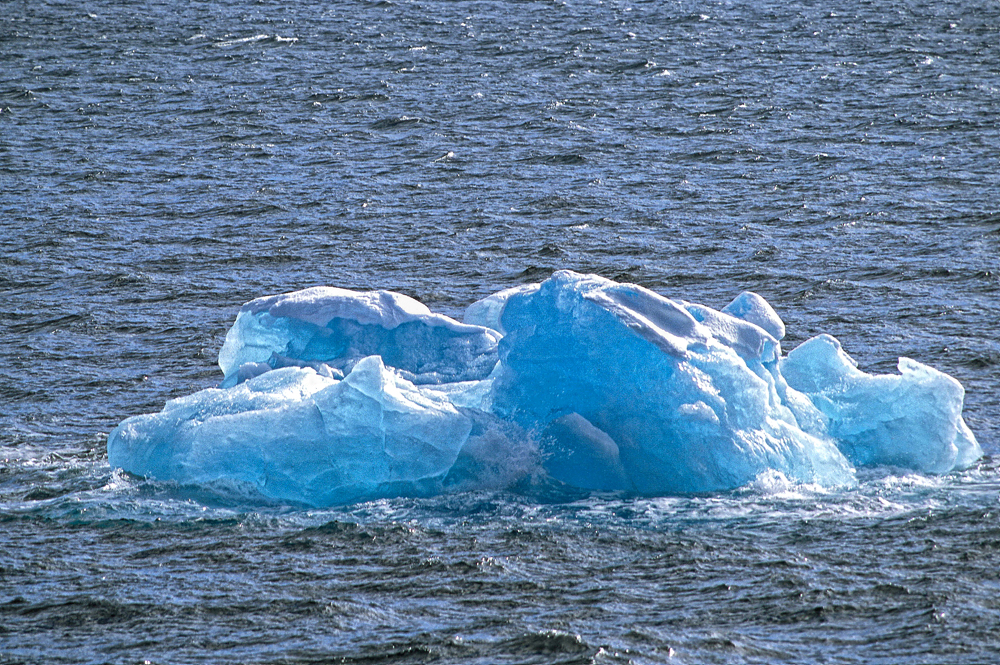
298	436
911	420
687	394
332	396
331	329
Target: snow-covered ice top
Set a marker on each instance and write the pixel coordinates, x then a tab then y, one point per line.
334	396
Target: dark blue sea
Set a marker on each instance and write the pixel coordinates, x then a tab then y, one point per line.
163	162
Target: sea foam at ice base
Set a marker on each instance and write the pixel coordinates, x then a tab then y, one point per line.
334	396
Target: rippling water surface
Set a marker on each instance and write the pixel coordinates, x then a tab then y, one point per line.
163	162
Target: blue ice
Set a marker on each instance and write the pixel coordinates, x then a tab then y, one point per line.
334	396
331	329
912	419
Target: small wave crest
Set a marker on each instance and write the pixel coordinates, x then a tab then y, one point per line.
241	41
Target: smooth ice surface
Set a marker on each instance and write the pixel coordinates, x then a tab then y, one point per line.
912	420
486	312
751	307
334	396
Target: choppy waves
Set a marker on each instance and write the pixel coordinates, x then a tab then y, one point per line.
162	164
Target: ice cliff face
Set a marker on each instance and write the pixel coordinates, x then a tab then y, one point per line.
334	396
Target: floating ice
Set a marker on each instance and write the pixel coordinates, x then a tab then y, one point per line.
912	420
333	396
298	436
330	329
672	397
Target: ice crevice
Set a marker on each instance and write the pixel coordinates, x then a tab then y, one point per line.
332	396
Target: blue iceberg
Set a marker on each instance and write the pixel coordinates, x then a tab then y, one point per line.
333	396
912	419
691	397
295	435
331	329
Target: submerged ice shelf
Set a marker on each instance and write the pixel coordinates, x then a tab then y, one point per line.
333	396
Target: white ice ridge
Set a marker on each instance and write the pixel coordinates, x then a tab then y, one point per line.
334	396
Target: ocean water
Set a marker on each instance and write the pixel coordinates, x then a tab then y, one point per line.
163	162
